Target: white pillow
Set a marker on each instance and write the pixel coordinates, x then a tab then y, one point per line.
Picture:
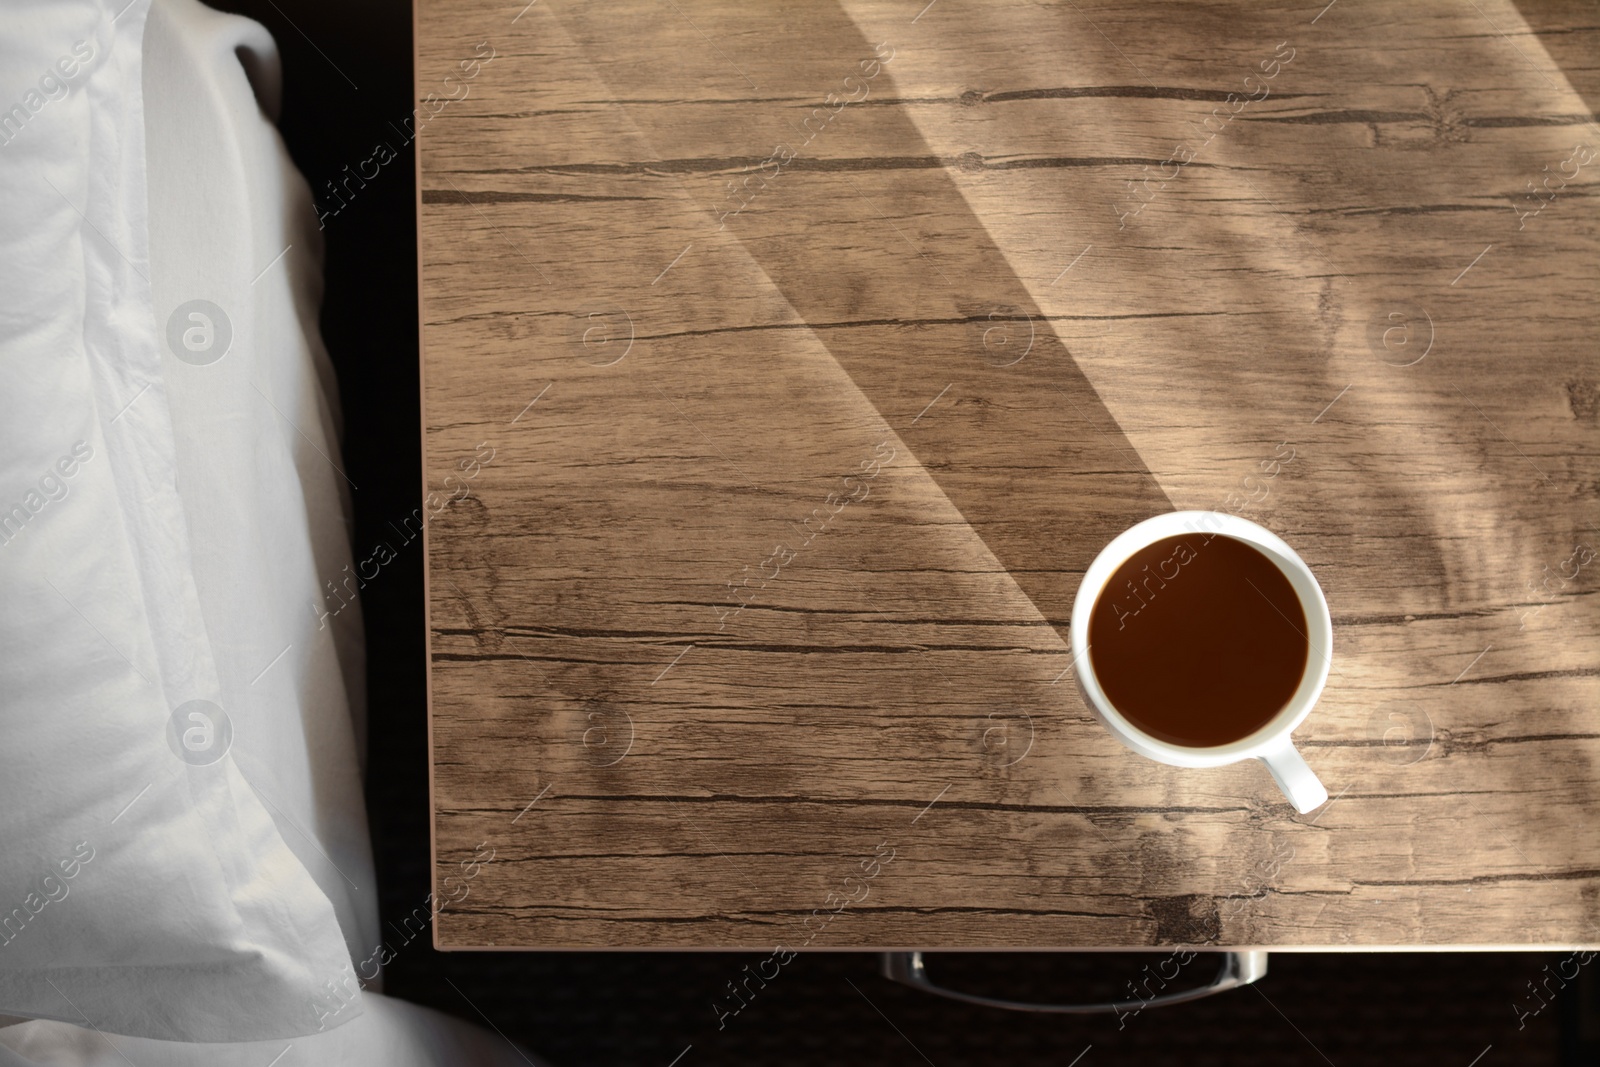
258	466
146	894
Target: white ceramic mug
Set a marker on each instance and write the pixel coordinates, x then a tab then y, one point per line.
1270	744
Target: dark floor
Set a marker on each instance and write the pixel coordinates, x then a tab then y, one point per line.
639	1008
348	76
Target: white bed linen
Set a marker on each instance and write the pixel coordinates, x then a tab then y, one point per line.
143	889
258	467
390	1033
182	556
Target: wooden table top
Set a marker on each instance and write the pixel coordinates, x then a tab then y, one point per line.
786	365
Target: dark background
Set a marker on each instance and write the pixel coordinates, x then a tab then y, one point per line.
348	76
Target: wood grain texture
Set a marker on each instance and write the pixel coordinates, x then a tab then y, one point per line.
690	686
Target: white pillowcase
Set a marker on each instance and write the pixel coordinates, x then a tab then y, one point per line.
146	894
257	445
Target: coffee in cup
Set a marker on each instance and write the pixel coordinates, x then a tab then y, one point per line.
1202	639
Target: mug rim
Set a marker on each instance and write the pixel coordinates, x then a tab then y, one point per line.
1319	624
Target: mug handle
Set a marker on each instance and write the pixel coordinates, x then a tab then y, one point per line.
1297	780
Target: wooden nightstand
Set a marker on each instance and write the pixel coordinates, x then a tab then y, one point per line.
786	366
